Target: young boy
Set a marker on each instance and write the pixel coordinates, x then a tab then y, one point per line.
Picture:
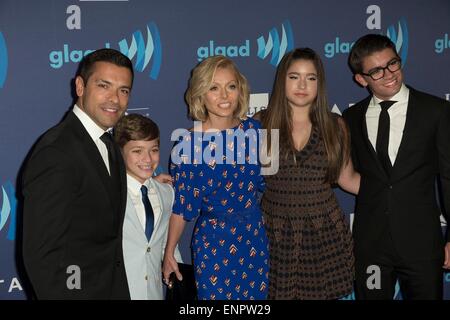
149	206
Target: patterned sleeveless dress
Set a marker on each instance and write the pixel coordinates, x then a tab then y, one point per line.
311	248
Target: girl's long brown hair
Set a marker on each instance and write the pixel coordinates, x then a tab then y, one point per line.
278	114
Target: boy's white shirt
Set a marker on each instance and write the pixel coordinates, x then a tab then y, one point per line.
143	259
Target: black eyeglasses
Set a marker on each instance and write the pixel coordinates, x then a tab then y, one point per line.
378	73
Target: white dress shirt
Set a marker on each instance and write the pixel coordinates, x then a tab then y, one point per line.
397	115
95	132
134	190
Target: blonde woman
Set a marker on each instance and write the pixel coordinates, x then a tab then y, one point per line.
217	181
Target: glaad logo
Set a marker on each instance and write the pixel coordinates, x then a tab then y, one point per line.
143	52
400	38
441	44
333	48
8	210
228	51
275	44
278	48
3	60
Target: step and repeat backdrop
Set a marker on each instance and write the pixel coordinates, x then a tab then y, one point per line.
41	43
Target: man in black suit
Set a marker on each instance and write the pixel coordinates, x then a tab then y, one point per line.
74	189
400	144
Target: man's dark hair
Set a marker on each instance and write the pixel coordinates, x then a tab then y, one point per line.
103	55
366	46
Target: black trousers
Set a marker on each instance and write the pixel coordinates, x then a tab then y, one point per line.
377	274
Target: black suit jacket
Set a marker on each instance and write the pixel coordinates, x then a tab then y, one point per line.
405	201
73	216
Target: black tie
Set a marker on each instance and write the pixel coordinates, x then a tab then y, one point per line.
149	216
383	136
107	140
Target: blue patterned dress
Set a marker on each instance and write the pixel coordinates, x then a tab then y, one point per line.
230	247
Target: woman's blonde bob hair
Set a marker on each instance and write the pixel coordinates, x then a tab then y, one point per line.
201	80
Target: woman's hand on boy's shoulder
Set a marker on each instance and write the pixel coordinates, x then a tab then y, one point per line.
164	178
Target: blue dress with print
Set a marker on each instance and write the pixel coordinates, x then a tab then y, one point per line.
217	179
